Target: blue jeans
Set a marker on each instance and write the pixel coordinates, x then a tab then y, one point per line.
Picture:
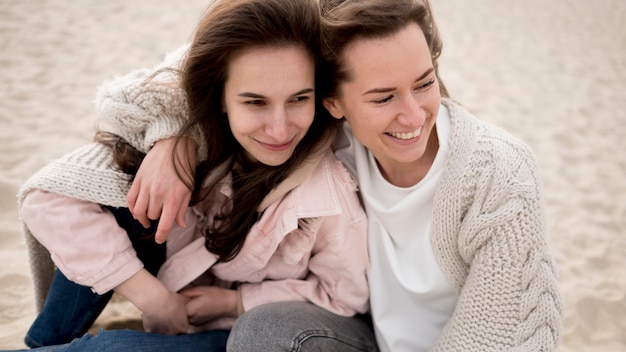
70	309
138	341
300	327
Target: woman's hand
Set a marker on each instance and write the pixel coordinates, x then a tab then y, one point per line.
163	311
158	192
168	316
205	303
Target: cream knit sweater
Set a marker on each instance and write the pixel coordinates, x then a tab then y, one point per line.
489	236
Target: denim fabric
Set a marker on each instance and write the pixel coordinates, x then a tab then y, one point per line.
70	309
138	341
300	326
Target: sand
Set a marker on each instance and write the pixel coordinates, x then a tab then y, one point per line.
551	72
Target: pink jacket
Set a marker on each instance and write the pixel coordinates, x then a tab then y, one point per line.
309	245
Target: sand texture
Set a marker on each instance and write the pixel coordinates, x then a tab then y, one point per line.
551	72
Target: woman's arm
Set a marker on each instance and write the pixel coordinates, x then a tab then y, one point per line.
83	238
163	311
147	108
90	248
510	294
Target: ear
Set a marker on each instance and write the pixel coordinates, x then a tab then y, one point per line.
332	105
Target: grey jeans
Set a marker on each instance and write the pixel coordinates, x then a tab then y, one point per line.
301	327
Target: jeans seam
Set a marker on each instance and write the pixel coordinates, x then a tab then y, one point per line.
306	335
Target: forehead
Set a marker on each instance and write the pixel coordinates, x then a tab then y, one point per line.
271	65
402	54
256	56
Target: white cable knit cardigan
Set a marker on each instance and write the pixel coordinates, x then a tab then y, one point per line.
489	235
489	232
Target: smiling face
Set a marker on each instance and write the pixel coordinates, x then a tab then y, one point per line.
391	101
269	99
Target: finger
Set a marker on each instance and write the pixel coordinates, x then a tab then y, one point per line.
155	208
133	193
192	292
191	308
165	225
182	210
140	209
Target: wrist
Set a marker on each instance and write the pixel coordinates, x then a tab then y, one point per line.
231	303
239	310
143	290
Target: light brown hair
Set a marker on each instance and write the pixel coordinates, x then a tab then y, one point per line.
343	21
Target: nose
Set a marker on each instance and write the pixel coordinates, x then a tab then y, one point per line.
277	126
412	113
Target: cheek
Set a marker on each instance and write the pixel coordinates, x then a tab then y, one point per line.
310	115
362	117
434	102
240	123
304	116
435	95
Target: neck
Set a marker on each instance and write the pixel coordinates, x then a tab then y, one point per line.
410	174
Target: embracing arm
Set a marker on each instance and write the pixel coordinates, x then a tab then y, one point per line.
147	108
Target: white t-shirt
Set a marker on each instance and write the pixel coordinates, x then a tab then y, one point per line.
411	300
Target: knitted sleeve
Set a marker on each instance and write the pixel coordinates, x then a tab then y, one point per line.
146	105
509	299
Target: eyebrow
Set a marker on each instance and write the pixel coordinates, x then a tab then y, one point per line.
259	96
385	90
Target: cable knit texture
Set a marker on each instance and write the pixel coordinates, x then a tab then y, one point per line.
143	108
489	234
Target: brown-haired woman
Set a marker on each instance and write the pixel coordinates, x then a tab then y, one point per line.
274	217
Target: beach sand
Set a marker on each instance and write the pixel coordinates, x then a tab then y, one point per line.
552	73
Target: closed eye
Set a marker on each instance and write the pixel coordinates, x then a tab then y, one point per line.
301	98
256	102
383	100
427	84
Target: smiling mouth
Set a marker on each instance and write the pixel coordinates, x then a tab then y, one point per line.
277	147
405	135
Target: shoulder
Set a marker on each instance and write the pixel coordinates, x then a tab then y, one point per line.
335	173
483	144
327	190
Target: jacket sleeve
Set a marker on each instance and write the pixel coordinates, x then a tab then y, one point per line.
146	105
337	268
510	300
83	238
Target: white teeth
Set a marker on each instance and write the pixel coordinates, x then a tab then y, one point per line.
406	136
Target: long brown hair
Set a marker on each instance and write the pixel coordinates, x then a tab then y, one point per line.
346	20
227	28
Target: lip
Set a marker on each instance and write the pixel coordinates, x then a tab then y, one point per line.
415	139
276	147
